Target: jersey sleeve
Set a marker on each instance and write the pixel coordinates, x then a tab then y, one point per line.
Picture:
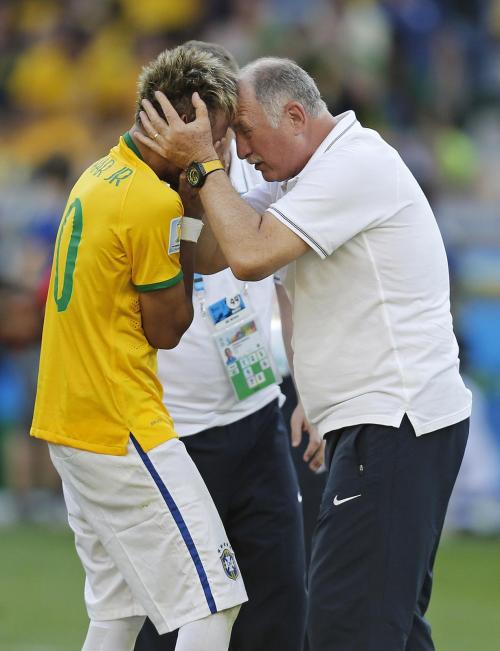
151	225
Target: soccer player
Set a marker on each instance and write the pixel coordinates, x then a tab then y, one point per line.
146	530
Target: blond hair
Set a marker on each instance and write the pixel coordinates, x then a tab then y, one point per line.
179	73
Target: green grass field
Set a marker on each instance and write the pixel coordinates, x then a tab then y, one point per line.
41	584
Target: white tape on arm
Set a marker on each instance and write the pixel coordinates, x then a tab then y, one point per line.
191	229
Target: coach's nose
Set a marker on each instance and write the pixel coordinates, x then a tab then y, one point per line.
242	147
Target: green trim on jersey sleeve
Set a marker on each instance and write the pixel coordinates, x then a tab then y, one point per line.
161	285
131	145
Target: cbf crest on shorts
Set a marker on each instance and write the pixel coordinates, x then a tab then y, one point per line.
228	560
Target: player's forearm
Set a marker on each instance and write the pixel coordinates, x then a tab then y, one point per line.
236	227
168	313
167	334
187	260
182	319
164	323
182	316
209	256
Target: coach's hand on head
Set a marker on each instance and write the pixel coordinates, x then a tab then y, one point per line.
173	138
269	242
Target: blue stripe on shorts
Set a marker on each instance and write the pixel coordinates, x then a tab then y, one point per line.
179	521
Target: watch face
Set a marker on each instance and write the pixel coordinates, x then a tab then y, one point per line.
193	176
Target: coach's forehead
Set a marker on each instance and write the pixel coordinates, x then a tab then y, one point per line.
249	109
246	95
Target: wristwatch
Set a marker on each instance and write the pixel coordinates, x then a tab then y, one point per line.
196	173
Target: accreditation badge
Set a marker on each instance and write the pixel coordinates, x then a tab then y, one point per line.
248	364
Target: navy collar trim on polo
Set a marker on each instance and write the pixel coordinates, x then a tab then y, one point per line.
344	122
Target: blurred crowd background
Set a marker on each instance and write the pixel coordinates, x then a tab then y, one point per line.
425	73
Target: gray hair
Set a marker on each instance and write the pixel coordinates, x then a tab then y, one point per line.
278	81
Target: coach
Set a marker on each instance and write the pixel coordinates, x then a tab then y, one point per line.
375	357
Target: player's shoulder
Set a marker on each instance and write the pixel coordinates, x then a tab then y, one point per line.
150	203
150	194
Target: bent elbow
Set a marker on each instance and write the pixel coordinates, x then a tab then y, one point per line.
168	344
169	338
248	271
158	342
175	335
165	341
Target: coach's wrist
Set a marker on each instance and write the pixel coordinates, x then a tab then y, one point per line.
198	154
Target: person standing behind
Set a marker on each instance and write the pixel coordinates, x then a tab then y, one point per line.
146	530
375	356
241	448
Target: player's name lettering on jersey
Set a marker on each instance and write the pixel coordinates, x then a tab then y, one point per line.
116	176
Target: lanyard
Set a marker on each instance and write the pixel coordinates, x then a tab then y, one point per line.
200	292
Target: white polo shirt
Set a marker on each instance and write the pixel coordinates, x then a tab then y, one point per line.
196	389
373	336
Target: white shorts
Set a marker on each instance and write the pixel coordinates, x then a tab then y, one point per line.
148	535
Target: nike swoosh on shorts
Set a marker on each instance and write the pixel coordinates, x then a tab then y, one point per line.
336	500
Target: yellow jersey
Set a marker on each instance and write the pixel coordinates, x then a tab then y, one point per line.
119	235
